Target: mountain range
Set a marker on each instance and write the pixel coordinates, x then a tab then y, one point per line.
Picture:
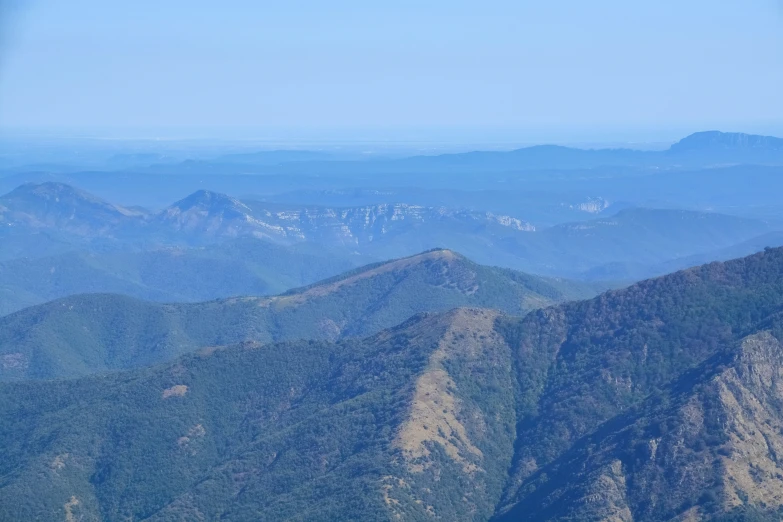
699	150
204	216
529	353
89	333
727	172
660	401
242	266
51	219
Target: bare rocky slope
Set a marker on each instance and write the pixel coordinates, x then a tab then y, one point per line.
706	447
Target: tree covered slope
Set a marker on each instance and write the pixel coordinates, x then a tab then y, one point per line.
657	402
83	334
415	421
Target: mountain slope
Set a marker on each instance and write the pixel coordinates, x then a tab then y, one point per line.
87	333
746	248
705	447
658	402
605	247
211	214
727	141
634	236
61	207
583	363
412	423
617	247
235	267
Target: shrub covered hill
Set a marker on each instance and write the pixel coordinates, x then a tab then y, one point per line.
84	334
662	401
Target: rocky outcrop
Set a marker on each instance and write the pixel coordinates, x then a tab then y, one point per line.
709	445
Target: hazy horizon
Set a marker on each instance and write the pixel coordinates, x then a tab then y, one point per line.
402	138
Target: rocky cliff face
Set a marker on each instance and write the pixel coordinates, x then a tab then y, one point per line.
214	214
738	141
207	215
709	445
583	364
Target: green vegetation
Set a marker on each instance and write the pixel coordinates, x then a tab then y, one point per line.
295	431
84	334
657	402
702	446
581	364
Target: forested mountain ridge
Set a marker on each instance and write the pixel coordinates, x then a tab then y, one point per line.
657	402
584	363
703	448
83	334
414	422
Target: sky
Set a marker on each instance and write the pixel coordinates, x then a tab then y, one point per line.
526	70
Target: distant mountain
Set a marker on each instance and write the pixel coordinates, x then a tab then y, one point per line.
540	208
634	271
656	402
535	157
699	150
243	266
610	247
61	207
137	160
208	214
727	141
702	149
274	157
635	237
90	333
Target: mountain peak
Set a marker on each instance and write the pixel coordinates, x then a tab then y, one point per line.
212	213
716	140
52	190
50	201
206	199
444	258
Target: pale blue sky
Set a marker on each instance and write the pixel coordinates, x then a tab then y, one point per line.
569	67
